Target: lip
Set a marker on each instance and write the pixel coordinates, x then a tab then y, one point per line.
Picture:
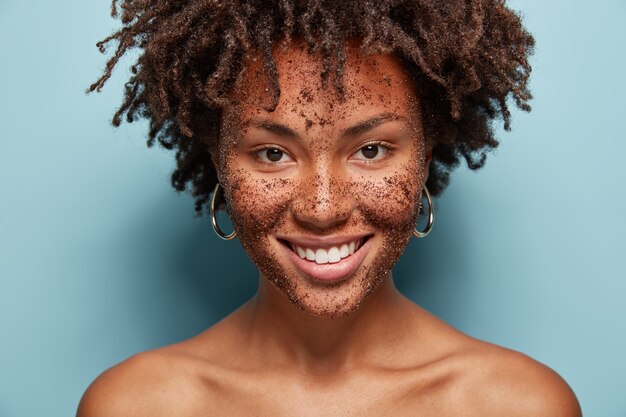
328	273
322	241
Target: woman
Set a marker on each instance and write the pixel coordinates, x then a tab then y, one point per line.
320	126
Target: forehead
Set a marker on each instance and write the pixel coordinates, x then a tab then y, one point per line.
373	84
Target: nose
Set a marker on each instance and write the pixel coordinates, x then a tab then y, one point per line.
324	201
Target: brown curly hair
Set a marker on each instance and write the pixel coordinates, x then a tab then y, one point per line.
467	57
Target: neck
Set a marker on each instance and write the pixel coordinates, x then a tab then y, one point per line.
281	333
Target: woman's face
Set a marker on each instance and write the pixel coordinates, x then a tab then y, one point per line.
323	192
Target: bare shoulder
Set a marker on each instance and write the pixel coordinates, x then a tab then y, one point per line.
505	382
476	378
155	383
185	379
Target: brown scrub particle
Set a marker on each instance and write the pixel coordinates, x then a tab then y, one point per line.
264	204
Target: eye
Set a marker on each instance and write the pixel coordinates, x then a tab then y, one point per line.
273	155
372	152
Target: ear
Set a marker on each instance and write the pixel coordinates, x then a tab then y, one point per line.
214	152
427	161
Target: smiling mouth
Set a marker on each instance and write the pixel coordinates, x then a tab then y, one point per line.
326	255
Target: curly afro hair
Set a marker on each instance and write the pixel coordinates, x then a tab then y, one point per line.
467	58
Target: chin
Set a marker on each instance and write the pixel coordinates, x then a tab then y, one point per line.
339	299
330	305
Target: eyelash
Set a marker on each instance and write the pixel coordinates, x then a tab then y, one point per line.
258	153
388	151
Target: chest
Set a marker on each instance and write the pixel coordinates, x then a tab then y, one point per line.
364	398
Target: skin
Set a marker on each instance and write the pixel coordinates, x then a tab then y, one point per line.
309	348
324	186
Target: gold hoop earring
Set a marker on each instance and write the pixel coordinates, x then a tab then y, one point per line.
431	216
216	228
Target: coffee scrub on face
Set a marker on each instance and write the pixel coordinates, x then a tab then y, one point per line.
322	126
324	190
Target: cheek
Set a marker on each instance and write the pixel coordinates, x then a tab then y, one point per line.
390	203
255	205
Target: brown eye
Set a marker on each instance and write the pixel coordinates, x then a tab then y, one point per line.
370	151
274	154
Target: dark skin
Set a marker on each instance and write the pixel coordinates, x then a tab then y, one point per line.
306	347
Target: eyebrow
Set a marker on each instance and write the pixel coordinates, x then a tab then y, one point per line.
272	127
368	124
355	130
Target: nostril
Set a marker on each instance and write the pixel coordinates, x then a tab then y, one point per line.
323	201
321	213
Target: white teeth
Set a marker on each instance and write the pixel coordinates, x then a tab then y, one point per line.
344	251
321	256
331	255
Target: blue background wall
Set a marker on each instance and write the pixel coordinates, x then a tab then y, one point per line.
100	259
